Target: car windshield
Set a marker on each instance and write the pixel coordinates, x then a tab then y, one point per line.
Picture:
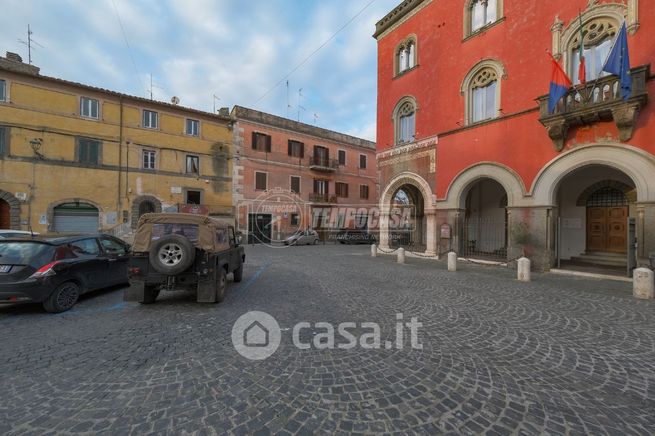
190	231
25	253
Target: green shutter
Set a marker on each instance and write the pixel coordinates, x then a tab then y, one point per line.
3	141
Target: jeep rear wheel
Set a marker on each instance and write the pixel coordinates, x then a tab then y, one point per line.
172	254
150	294
238	274
221	284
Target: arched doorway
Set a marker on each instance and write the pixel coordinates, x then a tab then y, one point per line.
5	215
596	214
485	221
407	223
76	217
142	205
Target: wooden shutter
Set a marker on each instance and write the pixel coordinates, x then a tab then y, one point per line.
362	161
302	150
268	143
254	140
290	148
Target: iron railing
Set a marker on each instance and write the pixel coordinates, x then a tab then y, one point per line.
321	163
322	198
484	238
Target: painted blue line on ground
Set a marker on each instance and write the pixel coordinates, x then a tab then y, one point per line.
254	278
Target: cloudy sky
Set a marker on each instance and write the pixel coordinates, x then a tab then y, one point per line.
236	49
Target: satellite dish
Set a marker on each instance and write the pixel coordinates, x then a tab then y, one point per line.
175	100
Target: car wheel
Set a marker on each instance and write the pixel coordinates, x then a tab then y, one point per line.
172	254
238	274
150	294
221	284
62	298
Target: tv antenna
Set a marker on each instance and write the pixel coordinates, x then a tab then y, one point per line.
299	106
288	104
215	99
152	86
315	118
29	43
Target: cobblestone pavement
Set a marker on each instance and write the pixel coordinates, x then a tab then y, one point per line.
558	355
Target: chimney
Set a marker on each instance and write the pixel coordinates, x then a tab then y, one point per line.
14	57
224	111
13	62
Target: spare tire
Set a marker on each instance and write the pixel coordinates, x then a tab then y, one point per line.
172	254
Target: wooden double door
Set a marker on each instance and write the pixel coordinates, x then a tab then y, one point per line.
5	215
607	229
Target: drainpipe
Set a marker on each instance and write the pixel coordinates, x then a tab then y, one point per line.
120	158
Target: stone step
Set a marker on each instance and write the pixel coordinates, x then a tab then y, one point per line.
607	259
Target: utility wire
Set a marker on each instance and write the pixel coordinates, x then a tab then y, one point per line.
127	43
304	61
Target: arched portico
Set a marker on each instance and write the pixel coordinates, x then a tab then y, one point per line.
574	185
420	200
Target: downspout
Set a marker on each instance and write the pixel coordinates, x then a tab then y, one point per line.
120	158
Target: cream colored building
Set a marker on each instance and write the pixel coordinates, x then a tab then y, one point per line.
79	158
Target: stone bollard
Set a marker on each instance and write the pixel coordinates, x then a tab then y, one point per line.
524	269
452	261
643	284
401	255
374	250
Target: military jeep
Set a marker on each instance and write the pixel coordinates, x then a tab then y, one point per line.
183	251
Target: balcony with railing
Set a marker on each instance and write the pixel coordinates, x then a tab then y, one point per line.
599	100
323	164
322	198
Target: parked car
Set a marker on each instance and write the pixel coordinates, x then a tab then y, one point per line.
350	236
56	270
177	250
306	237
4	234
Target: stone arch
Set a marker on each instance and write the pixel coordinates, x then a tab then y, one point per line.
635	163
629	192
136	207
14	209
509	180
409	40
484	73
403	179
51	209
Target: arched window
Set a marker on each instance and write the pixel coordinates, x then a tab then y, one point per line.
481	88
405	58
598	35
481	13
405	121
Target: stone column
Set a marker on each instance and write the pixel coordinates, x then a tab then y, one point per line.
645	232
431	232
384	228
531	234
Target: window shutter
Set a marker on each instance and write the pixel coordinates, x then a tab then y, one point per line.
302	150
290	148
254	140
268	143
315	186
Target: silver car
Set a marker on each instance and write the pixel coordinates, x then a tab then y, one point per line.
306	237
15	233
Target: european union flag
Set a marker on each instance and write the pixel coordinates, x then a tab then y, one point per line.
618	62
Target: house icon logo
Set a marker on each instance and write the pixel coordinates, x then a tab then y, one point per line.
256	335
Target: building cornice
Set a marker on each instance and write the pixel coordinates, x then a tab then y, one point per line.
240	113
399	14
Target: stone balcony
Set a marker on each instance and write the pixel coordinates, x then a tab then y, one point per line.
596	101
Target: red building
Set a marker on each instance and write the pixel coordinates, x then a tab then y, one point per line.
464	132
292	176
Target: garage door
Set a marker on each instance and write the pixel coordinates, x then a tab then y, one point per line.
76	217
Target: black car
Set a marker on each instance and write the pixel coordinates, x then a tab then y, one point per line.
56	270
355	236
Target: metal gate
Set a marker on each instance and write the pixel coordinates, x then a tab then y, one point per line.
76	218
484	238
